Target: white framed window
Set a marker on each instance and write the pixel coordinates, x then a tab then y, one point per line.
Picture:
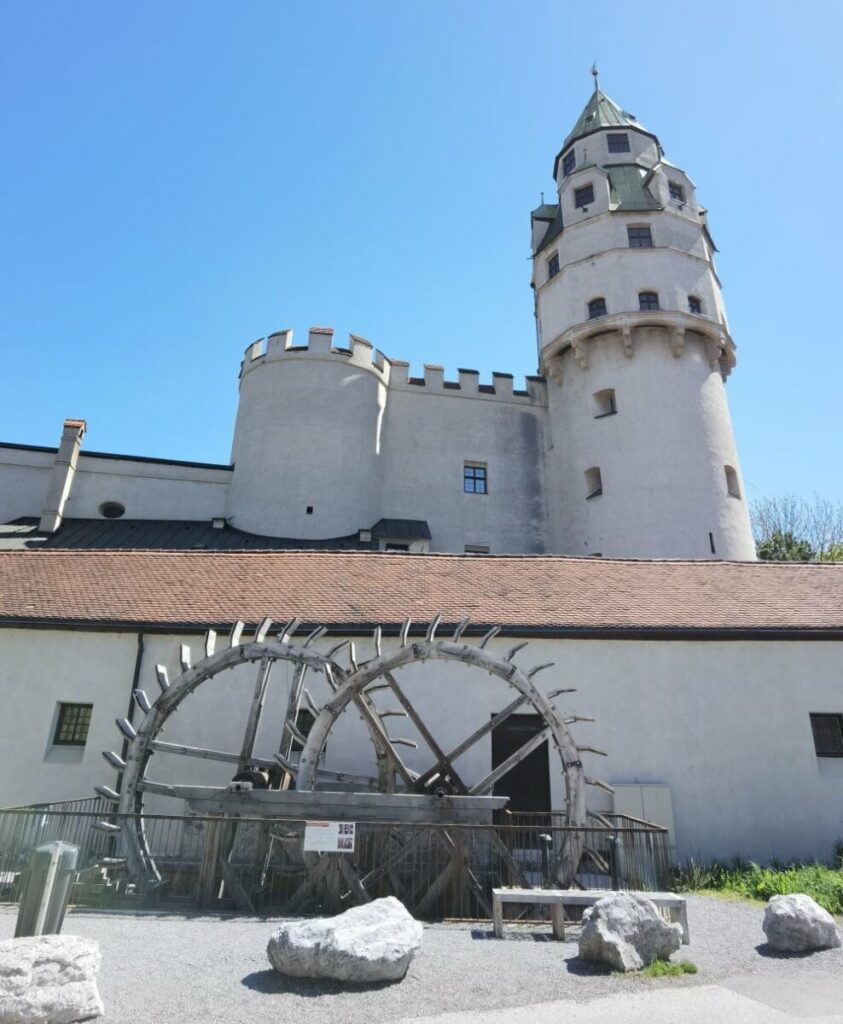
475	478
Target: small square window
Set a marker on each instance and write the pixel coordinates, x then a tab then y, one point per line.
474	480
593	482
828	735
553	266
72	725
618	143
648	300
604	403
694	304
640	238
583	196
677	192
569	162
596	308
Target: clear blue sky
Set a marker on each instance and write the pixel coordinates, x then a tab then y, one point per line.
181	178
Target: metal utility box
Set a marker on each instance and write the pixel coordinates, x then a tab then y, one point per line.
45	889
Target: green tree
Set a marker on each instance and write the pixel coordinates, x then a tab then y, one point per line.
784	547
834	554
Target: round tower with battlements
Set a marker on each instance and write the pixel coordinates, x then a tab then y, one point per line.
635	345
307	439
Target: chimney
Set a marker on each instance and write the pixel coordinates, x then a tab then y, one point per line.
61	480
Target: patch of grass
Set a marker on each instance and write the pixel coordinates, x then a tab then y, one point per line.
743	878
668	969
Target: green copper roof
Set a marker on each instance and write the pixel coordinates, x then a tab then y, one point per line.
627	190
601	112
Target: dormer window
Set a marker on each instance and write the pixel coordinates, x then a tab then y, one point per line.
677	192
583	196
569	162
553	266
596	308
618	142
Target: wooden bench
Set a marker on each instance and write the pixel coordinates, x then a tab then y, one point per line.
558	899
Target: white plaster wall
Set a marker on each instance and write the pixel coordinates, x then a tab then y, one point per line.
724	724
308	434
148	490
661	457
618	276
429	435
24	479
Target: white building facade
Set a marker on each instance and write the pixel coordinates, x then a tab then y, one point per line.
621	446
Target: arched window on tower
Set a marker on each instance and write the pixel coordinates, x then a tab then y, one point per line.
732	485
596	308
648	300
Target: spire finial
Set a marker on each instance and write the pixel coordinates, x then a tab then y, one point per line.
595	73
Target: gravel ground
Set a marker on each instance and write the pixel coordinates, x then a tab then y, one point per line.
166	968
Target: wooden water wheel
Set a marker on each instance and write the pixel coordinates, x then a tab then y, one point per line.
412	779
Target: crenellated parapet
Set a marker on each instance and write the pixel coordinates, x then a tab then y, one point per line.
320	345
393	373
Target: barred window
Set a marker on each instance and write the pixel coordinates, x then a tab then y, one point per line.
72	725
596	308
583	196
694	304
828	735
618	142
677	192
569	162
553	266
648	300
640	238
474	479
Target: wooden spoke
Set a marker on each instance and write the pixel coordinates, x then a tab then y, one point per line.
485	785
475	737
443	763
208	755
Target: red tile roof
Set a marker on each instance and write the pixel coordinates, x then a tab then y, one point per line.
524	593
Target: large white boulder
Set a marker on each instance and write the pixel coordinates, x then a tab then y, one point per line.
627	932
49	979
797	924
373	942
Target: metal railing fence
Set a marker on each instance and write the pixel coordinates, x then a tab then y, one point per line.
259	865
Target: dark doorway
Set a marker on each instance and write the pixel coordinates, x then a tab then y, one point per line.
527	784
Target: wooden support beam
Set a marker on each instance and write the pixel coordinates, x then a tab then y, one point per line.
485	785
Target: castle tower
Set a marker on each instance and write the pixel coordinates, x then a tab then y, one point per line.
634	342
307	438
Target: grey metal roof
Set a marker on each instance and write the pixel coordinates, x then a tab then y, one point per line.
554	229
160	535
401	529
627	190
601	112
